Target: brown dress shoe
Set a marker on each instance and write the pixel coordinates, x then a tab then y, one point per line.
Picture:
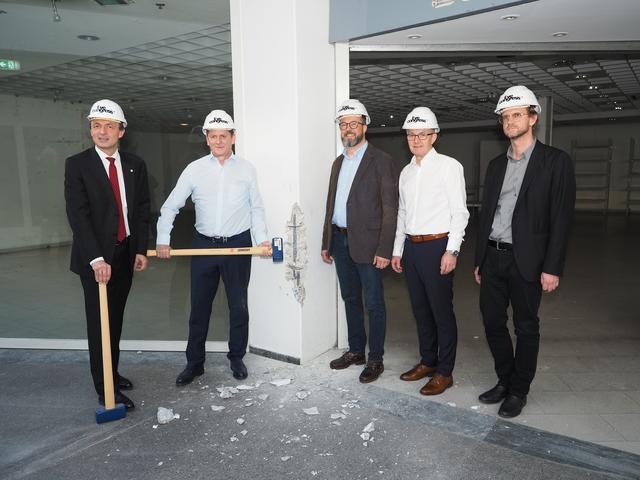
418	372
371	372
346	360
438	384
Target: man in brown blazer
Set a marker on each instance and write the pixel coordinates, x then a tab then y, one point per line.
359	230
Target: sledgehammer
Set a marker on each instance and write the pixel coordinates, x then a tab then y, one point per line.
275	252
111	411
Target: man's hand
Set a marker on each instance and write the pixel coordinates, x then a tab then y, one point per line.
102	271
396	264
267	248
326	258
380	262
476	274
549	282
447	263
141	263
163	251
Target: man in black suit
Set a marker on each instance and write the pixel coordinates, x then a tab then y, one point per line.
107	198
527	209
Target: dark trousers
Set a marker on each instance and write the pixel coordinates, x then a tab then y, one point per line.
431	297
206	272
500	285
354	278
117	293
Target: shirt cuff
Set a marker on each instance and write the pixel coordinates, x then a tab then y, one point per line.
98	259
454	243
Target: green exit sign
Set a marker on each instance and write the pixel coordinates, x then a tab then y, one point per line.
10	65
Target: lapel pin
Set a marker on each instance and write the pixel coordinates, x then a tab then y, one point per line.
131	170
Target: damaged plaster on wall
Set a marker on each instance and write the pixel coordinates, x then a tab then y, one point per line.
295	252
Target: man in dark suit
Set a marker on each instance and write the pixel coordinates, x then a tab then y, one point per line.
527	209
359	231
107	198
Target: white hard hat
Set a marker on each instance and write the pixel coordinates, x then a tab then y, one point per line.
107	110
421	117
217	120
518	96
352	107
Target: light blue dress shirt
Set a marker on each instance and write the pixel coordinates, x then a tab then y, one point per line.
226	198
347	173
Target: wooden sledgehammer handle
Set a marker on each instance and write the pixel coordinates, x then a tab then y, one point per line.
184	252
107	369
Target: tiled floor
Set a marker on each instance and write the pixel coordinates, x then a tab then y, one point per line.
588	381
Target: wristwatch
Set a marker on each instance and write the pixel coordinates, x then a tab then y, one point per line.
455	253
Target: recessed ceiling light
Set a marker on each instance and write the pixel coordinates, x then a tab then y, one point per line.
508	18
91	38
383	124
184	124
560	34
415	36
390	116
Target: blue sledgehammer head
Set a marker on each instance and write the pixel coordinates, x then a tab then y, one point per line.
116	413
276	250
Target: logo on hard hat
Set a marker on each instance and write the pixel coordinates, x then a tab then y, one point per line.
509	98
416	119
217	120
346	107
102	109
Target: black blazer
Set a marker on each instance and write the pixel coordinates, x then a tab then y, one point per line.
372	206
542	215
93	212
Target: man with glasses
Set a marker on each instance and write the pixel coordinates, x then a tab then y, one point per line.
527	209
432	217
359	228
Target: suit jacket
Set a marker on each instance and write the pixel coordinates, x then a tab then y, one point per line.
542	215
92	209
372	206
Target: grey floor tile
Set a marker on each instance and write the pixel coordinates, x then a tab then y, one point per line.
631	447
591	428
628	425
584	382
585	402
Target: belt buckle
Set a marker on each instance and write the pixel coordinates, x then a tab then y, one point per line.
500	249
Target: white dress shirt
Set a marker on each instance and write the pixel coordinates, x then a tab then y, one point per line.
226	198
433	199
123	194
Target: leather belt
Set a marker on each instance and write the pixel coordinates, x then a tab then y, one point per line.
216	239
426	238
340	229
502	246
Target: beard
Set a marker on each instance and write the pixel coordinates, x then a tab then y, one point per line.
516	133
351	142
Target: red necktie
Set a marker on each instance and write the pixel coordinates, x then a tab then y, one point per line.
113	178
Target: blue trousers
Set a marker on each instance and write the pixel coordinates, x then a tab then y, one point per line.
354	279
206	272
431	297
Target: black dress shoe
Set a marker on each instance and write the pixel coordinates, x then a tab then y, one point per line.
371	372
120	398
187	375
239	369
124	383
347	359
495	395
512	406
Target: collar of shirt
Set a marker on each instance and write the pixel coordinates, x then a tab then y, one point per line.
215	159
526	155
358	154
429	156
103	156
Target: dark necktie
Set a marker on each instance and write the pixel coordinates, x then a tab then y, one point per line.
113	178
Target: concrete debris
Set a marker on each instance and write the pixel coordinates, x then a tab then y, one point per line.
243	432
311	411
217	408
336	423
365	436
165	415
280	382
314	472
234	439
240	421
263	396
248	404
244	387
335	416
451	404
302	395
285	458
364	444
160	464
154	426
474	407
369	428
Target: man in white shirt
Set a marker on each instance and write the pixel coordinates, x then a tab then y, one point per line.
229	211
432	217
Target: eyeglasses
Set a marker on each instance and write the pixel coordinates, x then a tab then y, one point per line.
515	116
421	136
352	125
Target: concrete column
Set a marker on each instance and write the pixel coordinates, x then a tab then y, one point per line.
284	88
544	133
